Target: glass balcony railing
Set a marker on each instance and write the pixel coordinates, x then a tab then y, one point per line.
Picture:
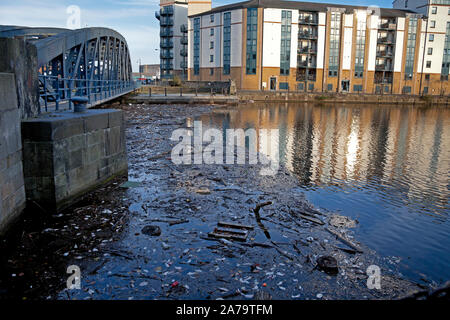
166	44
184	40
166	55
166	22
183	28
307	35
308	20
166	33
166	66
166	11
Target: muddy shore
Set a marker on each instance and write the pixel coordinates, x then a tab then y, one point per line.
149	239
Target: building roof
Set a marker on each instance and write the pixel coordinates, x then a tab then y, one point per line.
297	5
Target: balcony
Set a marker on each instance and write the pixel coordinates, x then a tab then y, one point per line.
166	66
308	35
166	33
304	77
184	40
157	15
166	11
385	40
166	44
308	21
307	50
166	22
388	26
183	52
183	65
183	28
166	55
383	67
306	64
384	53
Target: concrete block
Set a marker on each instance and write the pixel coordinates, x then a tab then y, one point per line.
75	159
8	94
115	118
67	128
96	122
77	142
79	161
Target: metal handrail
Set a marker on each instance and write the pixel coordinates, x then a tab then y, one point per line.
63	89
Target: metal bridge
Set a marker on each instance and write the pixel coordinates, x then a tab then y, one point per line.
91	62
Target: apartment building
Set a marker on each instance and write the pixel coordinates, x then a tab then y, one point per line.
318	47
173	20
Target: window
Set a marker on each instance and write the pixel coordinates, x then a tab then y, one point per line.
211	71
425	90
211	45
428	64
432	24
211	58
449	11
227	43
211	33
406	3
330	87
406	89
446	57
430	51
360	45
386	89
284	86
285	52
410	48
357	88
335	35
212	18
431	37
427	77
196	46
311	87
252	40
301	86
433	10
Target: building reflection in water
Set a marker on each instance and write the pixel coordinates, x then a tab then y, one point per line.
403	152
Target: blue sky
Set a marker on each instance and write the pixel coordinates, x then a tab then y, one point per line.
134	19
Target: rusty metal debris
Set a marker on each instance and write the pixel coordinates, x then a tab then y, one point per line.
231	231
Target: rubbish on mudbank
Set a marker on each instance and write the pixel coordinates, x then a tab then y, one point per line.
131	184
343	239
203	191
328	265
311	219
234	225
261	205
231	231
262	295
153	231
228	234
342	222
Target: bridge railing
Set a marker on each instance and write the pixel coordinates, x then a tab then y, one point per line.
56	91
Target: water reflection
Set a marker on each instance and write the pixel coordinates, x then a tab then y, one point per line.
369	161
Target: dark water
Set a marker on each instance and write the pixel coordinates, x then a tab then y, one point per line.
386	166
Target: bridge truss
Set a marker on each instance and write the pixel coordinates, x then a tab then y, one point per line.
91	62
